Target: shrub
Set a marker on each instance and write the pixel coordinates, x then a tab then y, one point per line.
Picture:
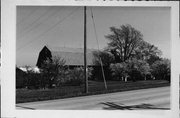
51	69
75	77
34	81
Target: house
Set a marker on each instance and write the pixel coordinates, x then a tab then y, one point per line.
20	78
32	69
74	57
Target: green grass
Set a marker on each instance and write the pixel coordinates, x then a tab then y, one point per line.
25	95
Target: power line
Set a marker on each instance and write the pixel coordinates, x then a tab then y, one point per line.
28	15
59	22
96	36
30	26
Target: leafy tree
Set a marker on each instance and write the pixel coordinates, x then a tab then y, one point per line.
129	54
126	43
148	52
137	68
133	68
123	42
161	69
144	68
119	71
104	56
152	59
51	69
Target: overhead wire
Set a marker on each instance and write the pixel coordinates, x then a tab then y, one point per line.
96	36
32	25
50	28
27	16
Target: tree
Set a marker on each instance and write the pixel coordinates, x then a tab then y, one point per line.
119	71
161	69
144	68
51	69
137	68
123	42
148	52
104	56
133	68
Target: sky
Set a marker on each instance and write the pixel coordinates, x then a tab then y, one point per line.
60	26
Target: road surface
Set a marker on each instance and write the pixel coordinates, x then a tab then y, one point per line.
153	98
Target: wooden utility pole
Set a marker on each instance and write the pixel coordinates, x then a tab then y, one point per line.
85	63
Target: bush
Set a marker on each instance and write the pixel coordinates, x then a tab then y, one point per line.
71	77
75	77
34	81
51	69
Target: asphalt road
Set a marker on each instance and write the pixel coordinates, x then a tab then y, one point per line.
154	98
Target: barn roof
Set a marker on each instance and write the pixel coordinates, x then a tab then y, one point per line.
72	56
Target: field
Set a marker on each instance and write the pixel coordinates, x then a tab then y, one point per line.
25	95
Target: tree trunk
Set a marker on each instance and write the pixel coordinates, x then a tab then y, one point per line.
126	79
122	78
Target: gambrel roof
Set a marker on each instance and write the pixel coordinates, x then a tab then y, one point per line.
72	56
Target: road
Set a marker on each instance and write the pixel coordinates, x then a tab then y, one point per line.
153	98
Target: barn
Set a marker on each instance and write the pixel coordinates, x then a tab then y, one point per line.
74	57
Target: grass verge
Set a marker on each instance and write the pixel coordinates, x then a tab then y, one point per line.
25	95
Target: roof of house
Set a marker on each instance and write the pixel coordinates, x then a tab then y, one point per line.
72	56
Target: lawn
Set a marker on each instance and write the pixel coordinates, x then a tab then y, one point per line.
25	95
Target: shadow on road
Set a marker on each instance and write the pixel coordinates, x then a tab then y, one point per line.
21	107
115	106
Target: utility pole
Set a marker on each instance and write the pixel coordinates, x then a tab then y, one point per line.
85	63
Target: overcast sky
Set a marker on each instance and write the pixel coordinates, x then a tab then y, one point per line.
63	27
